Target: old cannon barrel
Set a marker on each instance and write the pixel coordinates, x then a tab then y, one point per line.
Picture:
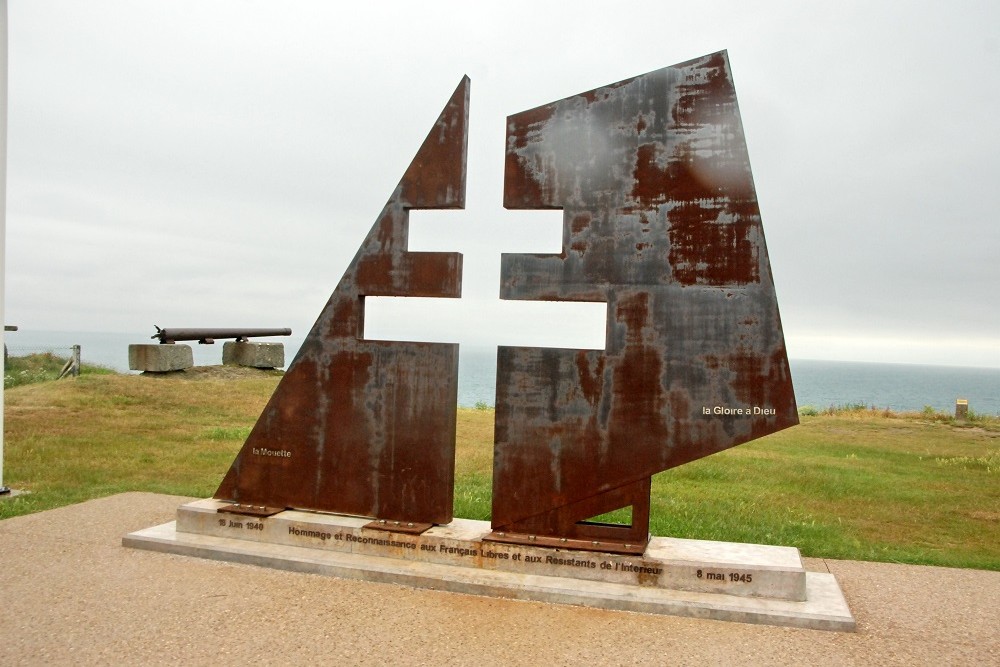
209	336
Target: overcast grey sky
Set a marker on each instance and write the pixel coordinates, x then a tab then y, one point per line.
217	163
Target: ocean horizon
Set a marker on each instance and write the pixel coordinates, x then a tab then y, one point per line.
818	383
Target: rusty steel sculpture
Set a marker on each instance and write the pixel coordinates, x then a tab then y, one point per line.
661	222
367	427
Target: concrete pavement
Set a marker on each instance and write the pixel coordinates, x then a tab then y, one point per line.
70	593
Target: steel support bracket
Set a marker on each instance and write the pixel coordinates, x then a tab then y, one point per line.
573	544
250	510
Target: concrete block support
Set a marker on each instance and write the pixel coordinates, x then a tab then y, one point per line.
255	355
724	581
155	358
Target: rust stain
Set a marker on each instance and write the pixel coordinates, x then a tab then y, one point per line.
590	378
696	258
640	125
580	223
520	183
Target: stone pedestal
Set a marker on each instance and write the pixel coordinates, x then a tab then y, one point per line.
737	582
153	358
255	355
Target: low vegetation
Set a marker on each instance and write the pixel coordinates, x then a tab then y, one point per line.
41	367
852	482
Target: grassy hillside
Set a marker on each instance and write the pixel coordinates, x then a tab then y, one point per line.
852	483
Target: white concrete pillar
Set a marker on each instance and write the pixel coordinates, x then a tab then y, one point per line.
3	196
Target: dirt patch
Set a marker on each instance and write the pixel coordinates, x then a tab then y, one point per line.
217	373
977	429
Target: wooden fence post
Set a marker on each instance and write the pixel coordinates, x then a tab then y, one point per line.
72	366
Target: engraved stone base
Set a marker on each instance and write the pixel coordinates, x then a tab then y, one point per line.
255	355
724	581
160	358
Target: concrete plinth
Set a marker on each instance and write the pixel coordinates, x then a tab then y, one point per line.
723	581
160	358
255	355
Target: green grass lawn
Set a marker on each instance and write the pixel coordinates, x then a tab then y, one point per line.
853	483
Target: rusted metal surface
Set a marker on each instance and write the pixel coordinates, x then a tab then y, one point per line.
368	427
661	222
570	544
250	510
405	527
209	335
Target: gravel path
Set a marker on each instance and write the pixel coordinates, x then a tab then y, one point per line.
71	594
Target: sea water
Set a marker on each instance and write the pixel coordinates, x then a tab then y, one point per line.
819	384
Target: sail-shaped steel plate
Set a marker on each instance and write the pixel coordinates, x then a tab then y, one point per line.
368	427
661	222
